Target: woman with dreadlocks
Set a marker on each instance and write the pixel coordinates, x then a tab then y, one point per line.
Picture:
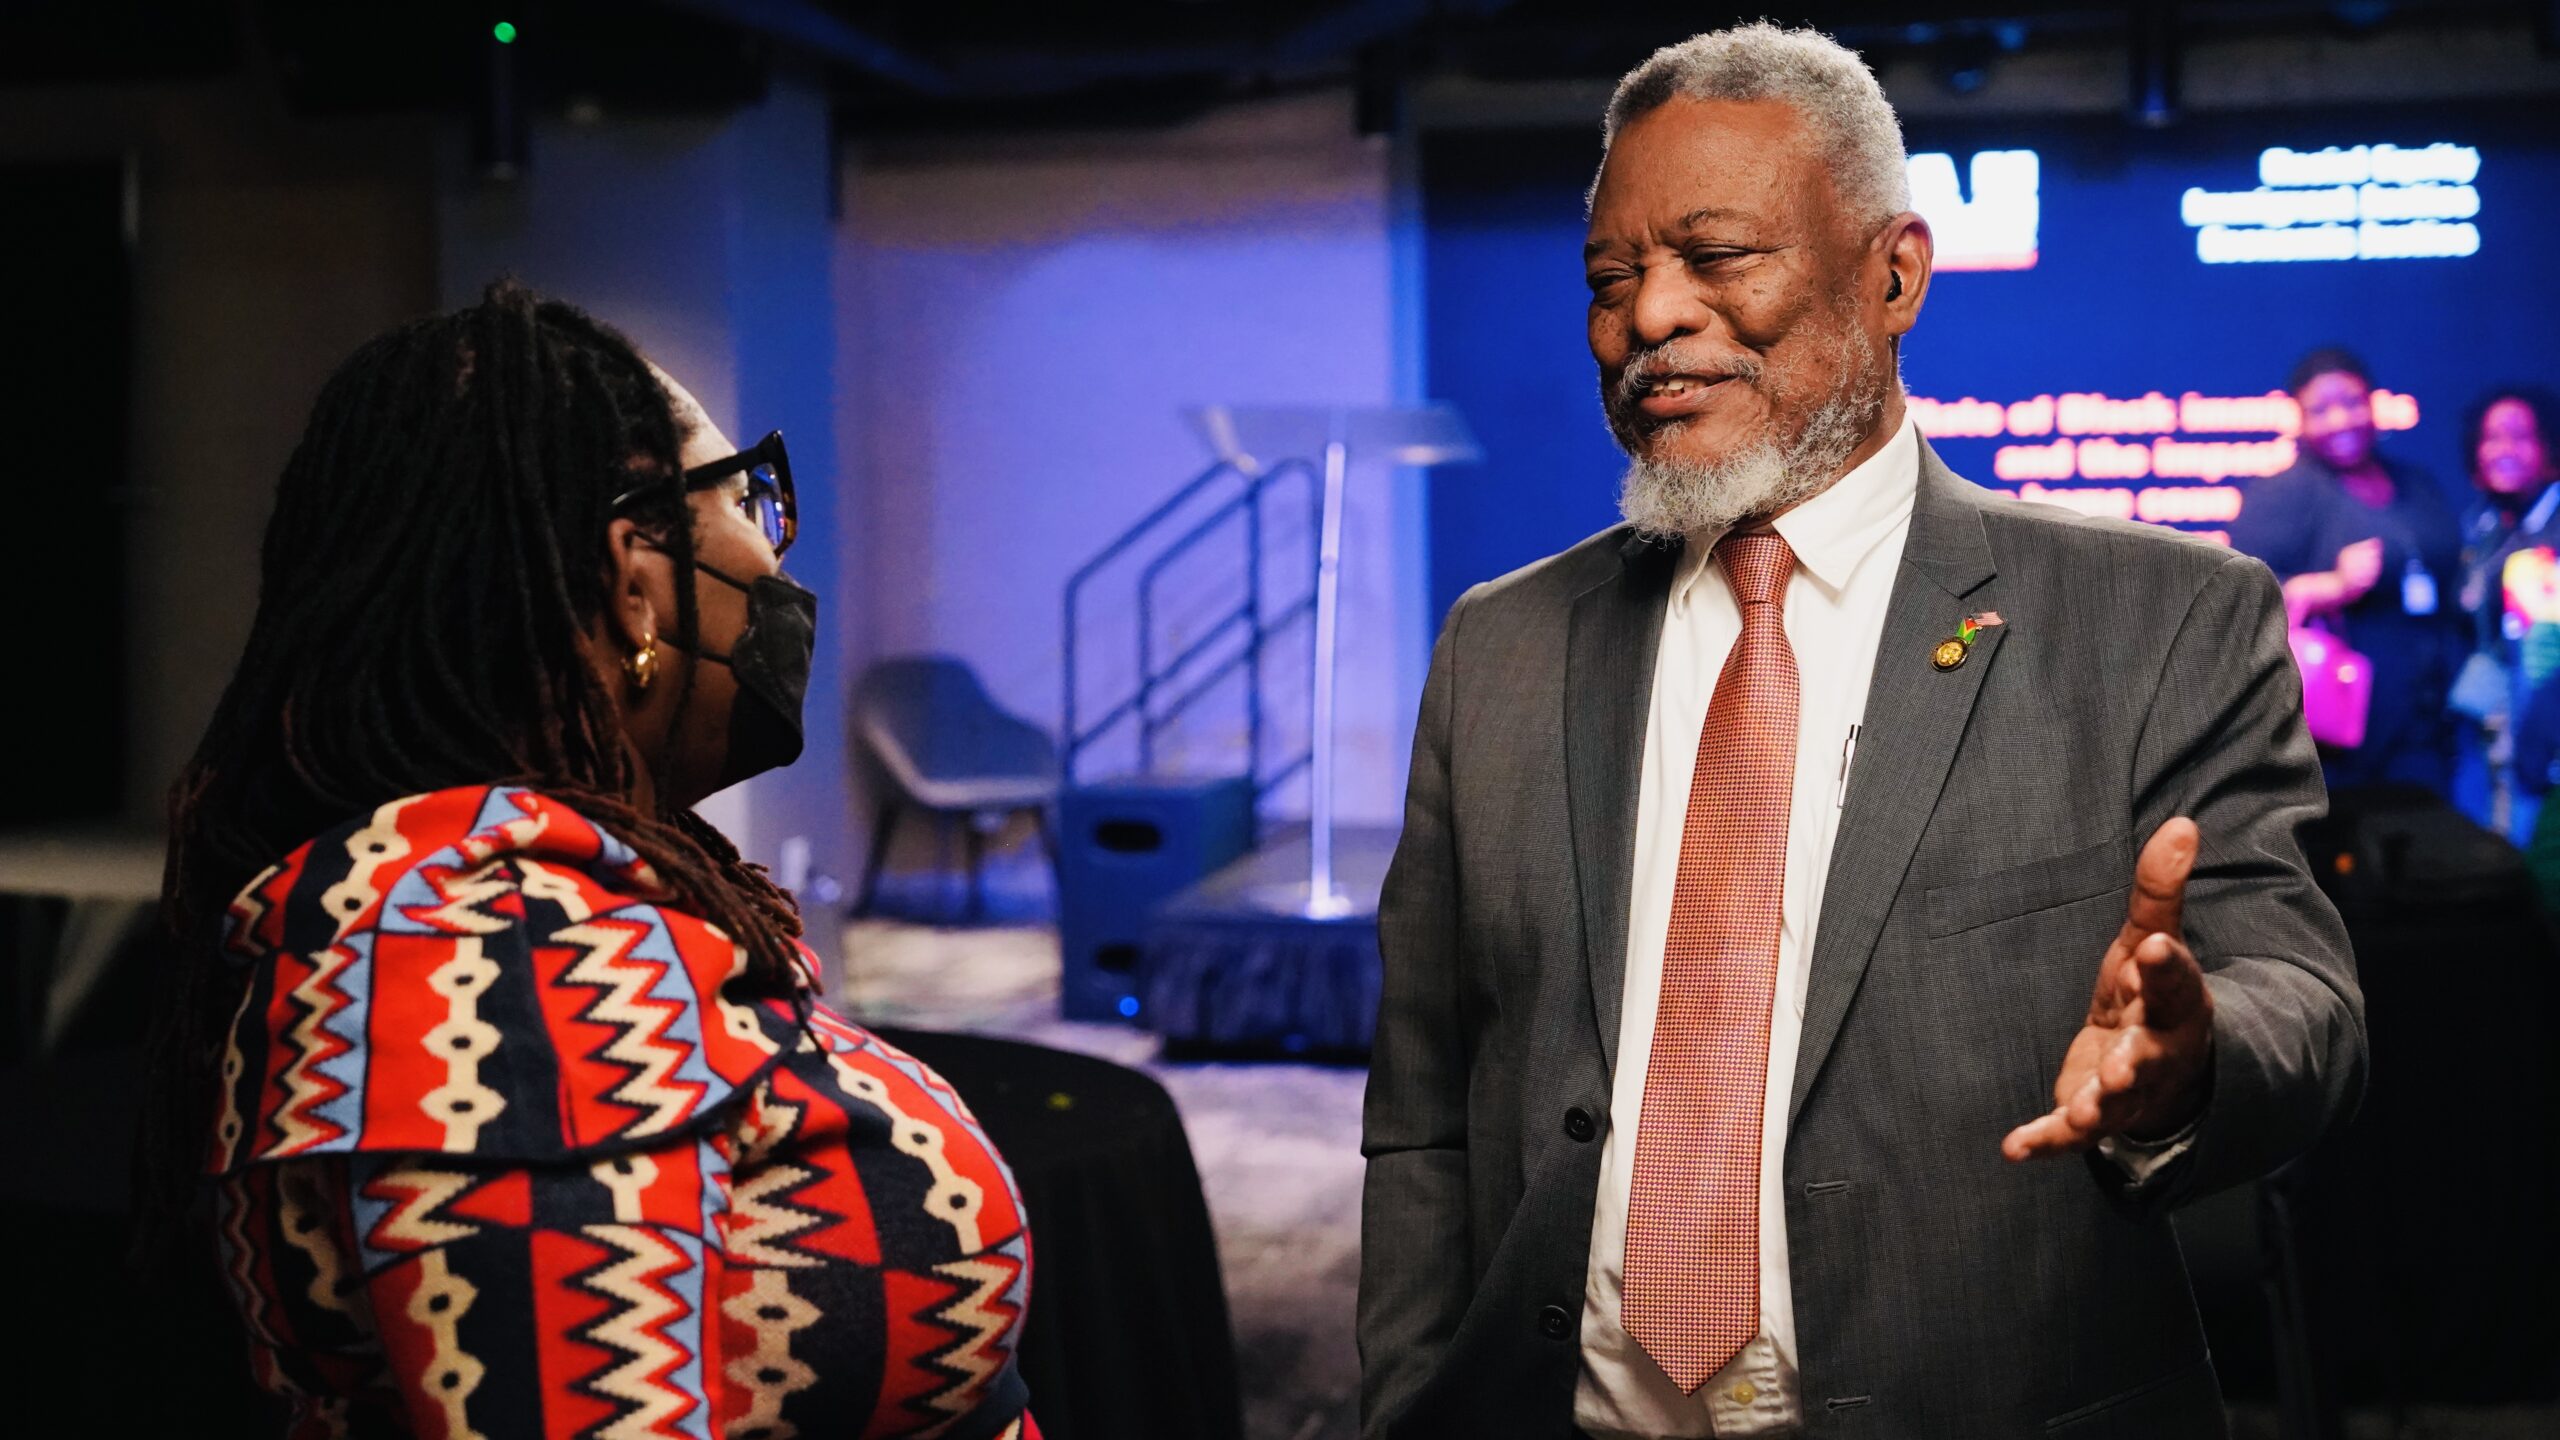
519	1109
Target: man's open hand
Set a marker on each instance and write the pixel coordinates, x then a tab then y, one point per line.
2138	1066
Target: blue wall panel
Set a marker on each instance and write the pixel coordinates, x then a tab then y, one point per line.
2117	301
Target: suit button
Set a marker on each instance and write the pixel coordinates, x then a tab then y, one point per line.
1577	1124
1554	1323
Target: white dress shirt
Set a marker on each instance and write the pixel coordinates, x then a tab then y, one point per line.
1848	545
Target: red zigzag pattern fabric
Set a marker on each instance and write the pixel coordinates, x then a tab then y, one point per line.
508	1144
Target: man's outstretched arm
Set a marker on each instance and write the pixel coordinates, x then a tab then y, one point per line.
2223	743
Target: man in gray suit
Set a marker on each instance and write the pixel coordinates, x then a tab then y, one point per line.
1761	855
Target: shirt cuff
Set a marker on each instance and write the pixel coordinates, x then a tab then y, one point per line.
2140	1160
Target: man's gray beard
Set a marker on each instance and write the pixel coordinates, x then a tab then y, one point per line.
1669	499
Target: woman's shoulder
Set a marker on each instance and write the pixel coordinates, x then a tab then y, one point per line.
479	971
2280	512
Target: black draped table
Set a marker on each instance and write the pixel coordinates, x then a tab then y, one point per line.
1128	1336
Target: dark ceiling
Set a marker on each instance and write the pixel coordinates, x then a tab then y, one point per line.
910	65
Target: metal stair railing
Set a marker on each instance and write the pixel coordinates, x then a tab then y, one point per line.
1169	686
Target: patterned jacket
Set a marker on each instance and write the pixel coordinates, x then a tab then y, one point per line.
507	1148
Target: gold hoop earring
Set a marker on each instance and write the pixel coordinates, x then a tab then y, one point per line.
642	665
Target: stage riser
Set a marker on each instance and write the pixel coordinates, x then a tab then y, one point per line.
1124	847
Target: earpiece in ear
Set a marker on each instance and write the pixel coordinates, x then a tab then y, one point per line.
1893	287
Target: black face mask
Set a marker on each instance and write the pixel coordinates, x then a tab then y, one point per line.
771	663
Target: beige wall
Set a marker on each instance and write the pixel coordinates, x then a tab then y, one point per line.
267	248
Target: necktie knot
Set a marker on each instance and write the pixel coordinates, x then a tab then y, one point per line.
1756	566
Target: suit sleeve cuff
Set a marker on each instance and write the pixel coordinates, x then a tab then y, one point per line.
2140	1160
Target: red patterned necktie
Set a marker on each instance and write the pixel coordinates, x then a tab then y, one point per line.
1690	1293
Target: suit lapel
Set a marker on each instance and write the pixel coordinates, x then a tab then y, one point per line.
1615	630
1915	717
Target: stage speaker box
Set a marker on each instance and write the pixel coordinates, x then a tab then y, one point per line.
1123	847
2431	1268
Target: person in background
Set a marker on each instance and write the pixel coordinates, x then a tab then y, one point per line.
505	1079
2367	546
2514	524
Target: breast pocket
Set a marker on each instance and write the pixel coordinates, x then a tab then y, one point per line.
2029	889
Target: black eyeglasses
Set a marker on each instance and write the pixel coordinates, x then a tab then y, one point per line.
769	503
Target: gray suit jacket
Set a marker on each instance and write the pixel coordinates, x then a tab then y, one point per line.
1983	863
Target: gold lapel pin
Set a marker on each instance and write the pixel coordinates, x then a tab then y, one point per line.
1951	652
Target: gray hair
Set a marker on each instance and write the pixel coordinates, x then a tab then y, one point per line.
1825	80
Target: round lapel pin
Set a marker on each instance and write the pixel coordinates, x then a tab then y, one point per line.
1952	652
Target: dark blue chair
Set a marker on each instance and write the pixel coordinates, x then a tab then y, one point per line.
933	740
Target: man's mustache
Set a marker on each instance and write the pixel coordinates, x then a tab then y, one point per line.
1647	368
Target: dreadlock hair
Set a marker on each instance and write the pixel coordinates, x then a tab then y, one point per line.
437	556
